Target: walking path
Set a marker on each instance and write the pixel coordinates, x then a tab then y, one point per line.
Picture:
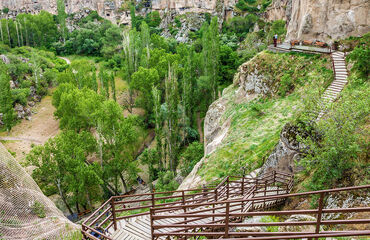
339	67
20	139
340	81
66	59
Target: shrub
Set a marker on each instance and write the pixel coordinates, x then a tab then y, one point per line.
190	157
331	158
38	209
20	95
286	85
361	55
271	219
166	182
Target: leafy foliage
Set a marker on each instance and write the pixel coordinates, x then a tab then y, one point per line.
191	156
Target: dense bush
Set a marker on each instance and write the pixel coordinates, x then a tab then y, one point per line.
166	182
191	156
20	95
333	156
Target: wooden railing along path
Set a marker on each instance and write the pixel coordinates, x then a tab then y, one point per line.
216	212
229	219
104	221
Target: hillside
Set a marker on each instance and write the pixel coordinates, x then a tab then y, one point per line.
104	99
244	125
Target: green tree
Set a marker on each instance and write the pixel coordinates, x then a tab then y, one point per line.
157	96
172	117
143	81
117	136
145	41
113	86
133	16
191	156
132	50
62	162
211	55
6	103
62	19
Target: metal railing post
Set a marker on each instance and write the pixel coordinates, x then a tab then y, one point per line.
152	222
113	214
184	207
153	200
264	194
227	220
227	187
319	214
243	186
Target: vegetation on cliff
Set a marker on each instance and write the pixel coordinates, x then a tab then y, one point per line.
256	120
340	155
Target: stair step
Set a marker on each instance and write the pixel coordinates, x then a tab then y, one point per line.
340	81
335	87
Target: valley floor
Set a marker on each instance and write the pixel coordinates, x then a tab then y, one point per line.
36	131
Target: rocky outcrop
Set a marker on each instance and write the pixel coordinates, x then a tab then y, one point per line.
279	9
114	11
299	218
322	20
286	152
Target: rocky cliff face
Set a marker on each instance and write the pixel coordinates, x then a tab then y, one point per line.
112	9
325	20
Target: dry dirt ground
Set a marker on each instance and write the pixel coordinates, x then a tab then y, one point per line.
37	131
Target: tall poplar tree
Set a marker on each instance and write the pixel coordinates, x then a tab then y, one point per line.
172	102
211	55
145	41
61	7
6	102
158	123
113	86
132	49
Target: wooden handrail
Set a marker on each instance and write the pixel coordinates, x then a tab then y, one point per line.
230	186
227	214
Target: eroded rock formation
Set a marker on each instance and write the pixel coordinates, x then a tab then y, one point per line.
325	20
113	10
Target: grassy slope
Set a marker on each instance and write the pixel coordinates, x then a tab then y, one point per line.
256	125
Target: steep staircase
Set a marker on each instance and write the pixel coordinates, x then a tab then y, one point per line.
340	80
339	68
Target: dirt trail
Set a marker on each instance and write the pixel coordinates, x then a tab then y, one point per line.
37	131
66	59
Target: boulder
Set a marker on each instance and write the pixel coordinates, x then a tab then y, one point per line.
254	219
12	84
286	152
5	59
299	218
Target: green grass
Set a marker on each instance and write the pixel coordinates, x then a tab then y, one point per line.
256	125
